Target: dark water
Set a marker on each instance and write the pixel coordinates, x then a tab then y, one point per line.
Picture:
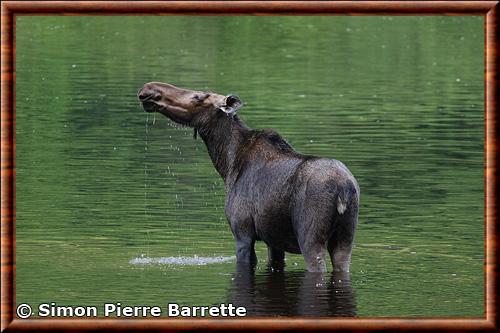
114	205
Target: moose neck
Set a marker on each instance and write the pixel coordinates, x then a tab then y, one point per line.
223	138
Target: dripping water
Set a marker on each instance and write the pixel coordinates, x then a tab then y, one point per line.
146	181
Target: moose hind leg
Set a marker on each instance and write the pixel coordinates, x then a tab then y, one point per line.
314	257
312	233
341	241
340	254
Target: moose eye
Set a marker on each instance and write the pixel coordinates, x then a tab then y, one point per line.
200	98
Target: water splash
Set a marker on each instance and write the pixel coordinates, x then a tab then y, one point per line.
181	261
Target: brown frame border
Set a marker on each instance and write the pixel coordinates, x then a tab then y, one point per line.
488	9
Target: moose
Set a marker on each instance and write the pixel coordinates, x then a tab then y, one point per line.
293	202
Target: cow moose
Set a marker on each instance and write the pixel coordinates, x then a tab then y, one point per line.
293	202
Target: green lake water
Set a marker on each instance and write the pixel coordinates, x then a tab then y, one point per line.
115	205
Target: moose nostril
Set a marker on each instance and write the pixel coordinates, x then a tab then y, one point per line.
144	96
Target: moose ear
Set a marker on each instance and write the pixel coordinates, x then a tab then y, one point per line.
231	104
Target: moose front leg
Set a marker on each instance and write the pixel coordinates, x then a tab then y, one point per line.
245	251
243	233
276	259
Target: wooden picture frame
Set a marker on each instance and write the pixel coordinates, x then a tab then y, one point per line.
11	9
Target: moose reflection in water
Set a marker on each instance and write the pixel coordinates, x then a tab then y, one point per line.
295	293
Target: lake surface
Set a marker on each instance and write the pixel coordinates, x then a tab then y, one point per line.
116	205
